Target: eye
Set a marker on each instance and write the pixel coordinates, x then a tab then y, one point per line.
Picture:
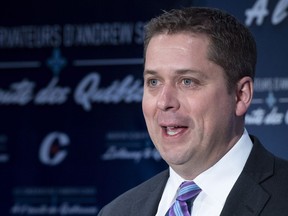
187	82
152	82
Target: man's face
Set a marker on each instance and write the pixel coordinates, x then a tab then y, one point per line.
189	114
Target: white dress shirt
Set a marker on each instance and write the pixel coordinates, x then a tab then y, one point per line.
216	182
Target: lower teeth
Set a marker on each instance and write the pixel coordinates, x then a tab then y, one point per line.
171	133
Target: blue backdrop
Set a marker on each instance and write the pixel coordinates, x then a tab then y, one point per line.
72	134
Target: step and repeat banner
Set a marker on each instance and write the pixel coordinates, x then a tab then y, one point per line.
72	133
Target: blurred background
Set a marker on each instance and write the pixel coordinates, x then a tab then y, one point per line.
72	134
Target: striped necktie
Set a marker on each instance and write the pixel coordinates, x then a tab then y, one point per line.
187	192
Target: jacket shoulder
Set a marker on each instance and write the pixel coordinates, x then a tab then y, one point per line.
262	185
123	203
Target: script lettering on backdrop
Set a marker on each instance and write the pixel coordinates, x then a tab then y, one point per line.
260	10
46	208
128	90
266	110
87	92
129	146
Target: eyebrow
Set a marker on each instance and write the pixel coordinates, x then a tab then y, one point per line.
149	72
177	72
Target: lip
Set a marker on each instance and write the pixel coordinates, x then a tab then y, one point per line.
173	125
173	131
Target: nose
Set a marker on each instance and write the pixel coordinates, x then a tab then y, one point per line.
168	99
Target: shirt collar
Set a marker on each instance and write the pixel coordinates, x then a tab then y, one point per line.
218	180
226	171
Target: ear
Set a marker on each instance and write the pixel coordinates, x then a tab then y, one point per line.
244	94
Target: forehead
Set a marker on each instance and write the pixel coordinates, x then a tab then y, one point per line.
184	49
185	40
181	34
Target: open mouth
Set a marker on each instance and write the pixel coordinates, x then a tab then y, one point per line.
174	130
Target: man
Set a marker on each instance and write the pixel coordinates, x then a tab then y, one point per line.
198	85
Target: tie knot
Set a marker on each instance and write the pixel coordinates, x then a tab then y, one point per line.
187	191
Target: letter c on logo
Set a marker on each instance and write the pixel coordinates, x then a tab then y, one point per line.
45	148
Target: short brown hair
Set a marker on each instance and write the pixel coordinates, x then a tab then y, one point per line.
232	45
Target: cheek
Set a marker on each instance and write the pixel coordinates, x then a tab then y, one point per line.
147	108
206	110
218	113
148	116
144	107
148	103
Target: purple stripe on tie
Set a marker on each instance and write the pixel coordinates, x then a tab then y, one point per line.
186	192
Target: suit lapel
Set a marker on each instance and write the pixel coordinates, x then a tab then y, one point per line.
148	203
247	197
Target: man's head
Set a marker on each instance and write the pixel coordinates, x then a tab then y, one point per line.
192	117
231	46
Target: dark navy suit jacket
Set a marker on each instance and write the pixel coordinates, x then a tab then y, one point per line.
261	189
